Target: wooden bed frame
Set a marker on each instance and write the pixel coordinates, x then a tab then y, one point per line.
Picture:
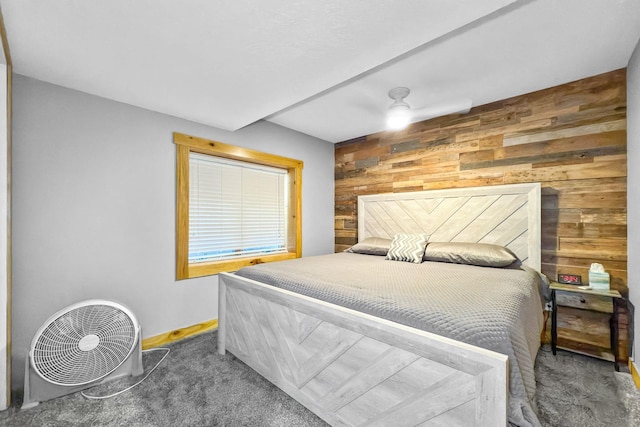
352	368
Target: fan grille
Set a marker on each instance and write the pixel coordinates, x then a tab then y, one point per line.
84	345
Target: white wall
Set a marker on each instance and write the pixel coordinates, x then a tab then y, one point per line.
94	208
633	191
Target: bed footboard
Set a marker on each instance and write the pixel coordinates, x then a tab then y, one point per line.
351	368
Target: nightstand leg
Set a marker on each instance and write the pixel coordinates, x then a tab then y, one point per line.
554	322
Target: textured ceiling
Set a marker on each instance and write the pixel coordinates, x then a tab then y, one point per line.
322	68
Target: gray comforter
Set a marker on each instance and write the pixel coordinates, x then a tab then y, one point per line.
495	308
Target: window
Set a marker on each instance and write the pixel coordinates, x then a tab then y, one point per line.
235	207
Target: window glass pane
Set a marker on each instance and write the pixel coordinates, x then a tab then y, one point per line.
235	209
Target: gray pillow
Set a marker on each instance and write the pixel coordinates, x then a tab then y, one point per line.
371	246
483	254
407	247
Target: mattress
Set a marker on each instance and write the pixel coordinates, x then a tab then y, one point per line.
499	309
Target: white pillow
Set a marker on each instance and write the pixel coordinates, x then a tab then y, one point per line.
407	247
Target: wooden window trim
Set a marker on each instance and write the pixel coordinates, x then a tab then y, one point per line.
186	144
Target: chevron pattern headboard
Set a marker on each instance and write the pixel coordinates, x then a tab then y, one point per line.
508	215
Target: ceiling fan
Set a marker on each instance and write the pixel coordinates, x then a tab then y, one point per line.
400	114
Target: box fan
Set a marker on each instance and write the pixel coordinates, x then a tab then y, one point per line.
83	345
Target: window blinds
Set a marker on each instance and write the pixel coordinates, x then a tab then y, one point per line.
236	209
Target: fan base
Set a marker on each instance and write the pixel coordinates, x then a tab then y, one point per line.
37	389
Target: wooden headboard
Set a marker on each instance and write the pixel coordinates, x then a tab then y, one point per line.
508	215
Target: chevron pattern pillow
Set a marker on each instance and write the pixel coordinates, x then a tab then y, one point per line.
407	247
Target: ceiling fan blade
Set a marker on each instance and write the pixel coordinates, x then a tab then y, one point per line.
461	106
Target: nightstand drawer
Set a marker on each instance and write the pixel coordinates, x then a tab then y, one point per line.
599	303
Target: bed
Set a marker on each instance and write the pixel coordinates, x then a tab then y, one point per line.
372	353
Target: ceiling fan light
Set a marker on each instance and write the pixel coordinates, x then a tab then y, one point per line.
399	113
398	116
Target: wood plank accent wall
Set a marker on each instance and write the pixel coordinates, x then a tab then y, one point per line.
570	138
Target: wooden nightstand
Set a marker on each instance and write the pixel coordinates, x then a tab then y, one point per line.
603	301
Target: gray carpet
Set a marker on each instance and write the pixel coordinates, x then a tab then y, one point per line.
197	387
575	390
